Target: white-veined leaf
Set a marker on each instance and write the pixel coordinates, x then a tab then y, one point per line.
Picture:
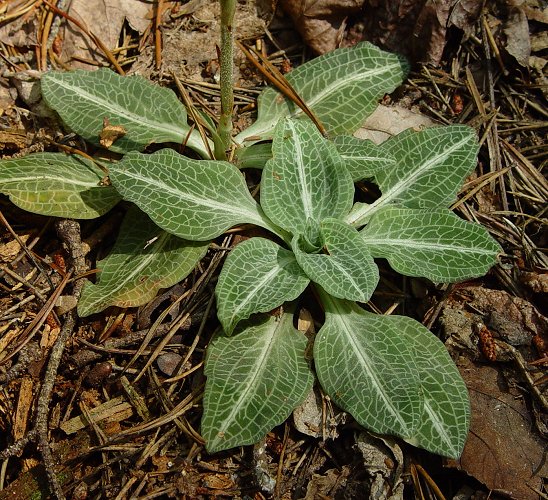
342	88
434	244
362	157
58	185
305	180
367	368
148	113
258	276
347	269
144	259
431	166
393	376
254	381
193	199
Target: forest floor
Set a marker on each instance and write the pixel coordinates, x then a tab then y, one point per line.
112	427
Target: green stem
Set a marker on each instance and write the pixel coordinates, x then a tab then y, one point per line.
228	8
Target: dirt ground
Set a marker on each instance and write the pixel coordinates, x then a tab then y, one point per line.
107	425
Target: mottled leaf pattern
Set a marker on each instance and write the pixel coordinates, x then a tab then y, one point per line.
258	276
367	368
431	166
58	185
445	419
362	157
305	180
193	199
434	244
148	112
346	270
342	88
254	381
143	260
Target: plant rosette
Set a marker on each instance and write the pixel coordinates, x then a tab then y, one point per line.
389	372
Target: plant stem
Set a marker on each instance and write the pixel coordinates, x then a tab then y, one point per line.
226	60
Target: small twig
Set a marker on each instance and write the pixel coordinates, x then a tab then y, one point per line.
158	33
108	54
271	73
69	232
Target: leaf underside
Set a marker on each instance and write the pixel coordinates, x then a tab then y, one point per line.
144	259
254	381
57	185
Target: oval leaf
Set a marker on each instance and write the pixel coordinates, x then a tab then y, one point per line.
346	270
57	185
143	260
194	199
146	112
445	420
254	381
366	366
433	244
305	180
431	166
258	276
362	157
342	88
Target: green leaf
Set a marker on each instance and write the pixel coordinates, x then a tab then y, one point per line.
194	199
362	157
346	270
149	113
366	366
342	88
254	380
57	185
431	166
258	276
143	260
445	419
254	156
305	179
434	244
393	376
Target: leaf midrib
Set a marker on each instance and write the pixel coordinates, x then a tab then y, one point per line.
207	202
418	245
364	361
109	107
60	180
160	244
258	369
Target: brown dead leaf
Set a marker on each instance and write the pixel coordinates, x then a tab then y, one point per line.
321	22
416	29
105	20
110	133
516	29
10	250
503	450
